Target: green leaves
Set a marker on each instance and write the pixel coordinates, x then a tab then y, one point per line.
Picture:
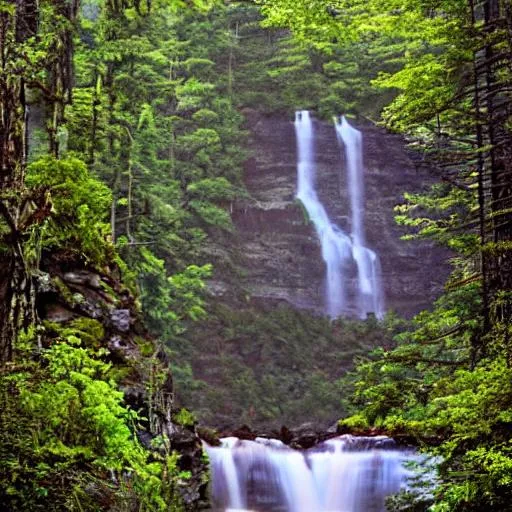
79	208
212	189
438	214
170	301
424	387
65	428
162	132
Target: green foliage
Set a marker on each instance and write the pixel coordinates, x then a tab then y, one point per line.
156	116
80	205
424	387
212	188
335	53
153	120
437	214
447	381
185	418
169	301
72	444
90	331
269	368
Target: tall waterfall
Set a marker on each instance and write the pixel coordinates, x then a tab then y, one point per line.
369	290
345	474
336	245
338	249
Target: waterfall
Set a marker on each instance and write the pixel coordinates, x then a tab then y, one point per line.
336	245
345	474
369	289
338	249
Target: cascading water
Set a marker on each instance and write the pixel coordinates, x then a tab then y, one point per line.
369	290
336	245
345	474
338	249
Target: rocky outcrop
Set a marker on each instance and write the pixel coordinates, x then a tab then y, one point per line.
308	435
276	254
70	296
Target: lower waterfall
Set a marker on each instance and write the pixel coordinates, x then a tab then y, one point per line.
344	474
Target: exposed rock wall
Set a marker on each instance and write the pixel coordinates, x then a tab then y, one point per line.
277	251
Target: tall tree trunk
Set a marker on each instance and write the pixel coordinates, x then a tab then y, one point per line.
477	345
61	71
15	286
498	51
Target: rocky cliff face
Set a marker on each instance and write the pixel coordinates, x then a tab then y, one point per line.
277	254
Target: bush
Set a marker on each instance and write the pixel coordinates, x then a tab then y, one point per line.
80	207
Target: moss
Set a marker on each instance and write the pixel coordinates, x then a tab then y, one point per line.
121	373
146	347
80	205
185	418
112	295
64	292
90	331
305	214
355	423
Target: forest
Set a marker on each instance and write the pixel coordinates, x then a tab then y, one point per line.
128	329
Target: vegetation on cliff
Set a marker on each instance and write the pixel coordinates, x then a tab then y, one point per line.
88	418
271	367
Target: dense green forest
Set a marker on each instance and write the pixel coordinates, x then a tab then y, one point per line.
123	143
447	381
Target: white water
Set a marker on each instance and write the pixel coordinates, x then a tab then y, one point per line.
336	245
369	290
345	474
339	250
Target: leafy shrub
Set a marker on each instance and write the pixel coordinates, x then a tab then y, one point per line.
67	441
80	205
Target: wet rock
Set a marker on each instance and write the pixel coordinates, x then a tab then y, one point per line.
333	429
385	444
123	348
83	277
57	313
145	439
193	490
217	288
305	436
183	437
72	292
244	432
208	435
90	308
285	435
121	319
116	343
44	283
